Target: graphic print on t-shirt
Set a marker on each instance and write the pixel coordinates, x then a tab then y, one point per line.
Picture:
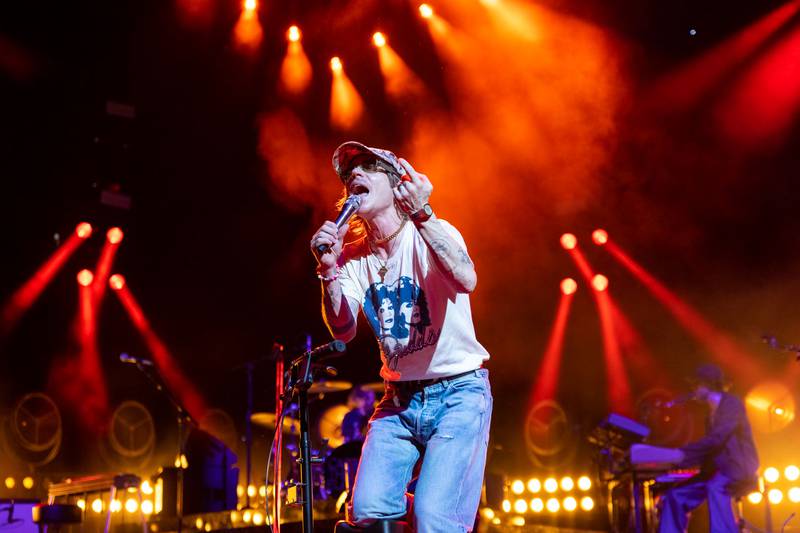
399	315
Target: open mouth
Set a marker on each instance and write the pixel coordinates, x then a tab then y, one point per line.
359	189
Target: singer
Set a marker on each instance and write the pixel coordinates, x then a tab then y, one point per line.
727	457
410	275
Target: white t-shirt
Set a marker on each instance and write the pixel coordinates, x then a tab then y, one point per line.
423	326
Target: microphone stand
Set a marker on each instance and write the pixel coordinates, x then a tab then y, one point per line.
301	376
183	419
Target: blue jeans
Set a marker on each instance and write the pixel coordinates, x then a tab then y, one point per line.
678	502
446	423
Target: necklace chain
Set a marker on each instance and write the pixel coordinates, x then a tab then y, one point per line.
392	236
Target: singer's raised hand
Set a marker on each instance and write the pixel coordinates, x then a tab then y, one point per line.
414	190
328	234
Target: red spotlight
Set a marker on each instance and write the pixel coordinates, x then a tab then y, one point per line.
378	39
114	235
293	34
83	230
569	241
568	286
600	282
250	5
600	237
336	64
425	11
85	277
116	282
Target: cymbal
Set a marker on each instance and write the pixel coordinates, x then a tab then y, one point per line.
267	420
322	387
376	386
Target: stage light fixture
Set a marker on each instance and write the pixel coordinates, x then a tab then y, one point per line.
10	483
517	486
518	521
116	506
569	241
240	491
520	506
114	235
584	483
791	473
97	505
27	482
336	64
146	487
537	505
587	503
83	230
550	485
599	282
147	507
250	5
258	518
247	516
794	495
378	39
755	498
85	277
198	523
570	504
293	34
251	491
131	505
534	485
775	496
568	286
425	11
262	491
567	484
506	506
487	513
771	474
553	505
599	237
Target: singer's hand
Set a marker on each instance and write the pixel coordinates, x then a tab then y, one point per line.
331	236
412	193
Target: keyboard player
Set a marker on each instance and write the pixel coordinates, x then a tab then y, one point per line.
726	456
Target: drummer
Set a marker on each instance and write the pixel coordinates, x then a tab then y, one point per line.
354	424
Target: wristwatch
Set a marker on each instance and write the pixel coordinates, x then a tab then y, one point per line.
423	214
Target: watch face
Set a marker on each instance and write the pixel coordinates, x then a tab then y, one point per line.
427	209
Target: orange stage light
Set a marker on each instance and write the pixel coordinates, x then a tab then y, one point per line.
569	241
83	230
346	107
600	282
550	367
114	235
378	39
293	34
248	32
116	282
568	286
85	277
425	11
600	237
250	5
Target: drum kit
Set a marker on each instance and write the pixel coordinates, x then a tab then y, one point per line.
340	449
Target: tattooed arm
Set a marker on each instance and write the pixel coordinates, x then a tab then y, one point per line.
451	256
337	312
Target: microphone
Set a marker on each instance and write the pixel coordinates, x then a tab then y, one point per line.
321	353
125	358
349	209
678	400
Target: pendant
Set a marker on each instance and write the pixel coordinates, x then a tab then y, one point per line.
382	272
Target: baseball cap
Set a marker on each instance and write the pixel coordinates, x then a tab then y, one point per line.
346	153
709	374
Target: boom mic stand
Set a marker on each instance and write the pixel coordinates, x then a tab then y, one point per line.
183	418
302	372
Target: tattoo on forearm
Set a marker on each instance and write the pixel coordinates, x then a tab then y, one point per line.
440	246
464	256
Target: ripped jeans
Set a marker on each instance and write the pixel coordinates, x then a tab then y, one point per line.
448	424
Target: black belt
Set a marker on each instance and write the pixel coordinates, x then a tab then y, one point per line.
418	384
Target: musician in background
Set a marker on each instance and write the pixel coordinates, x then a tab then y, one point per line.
726	456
